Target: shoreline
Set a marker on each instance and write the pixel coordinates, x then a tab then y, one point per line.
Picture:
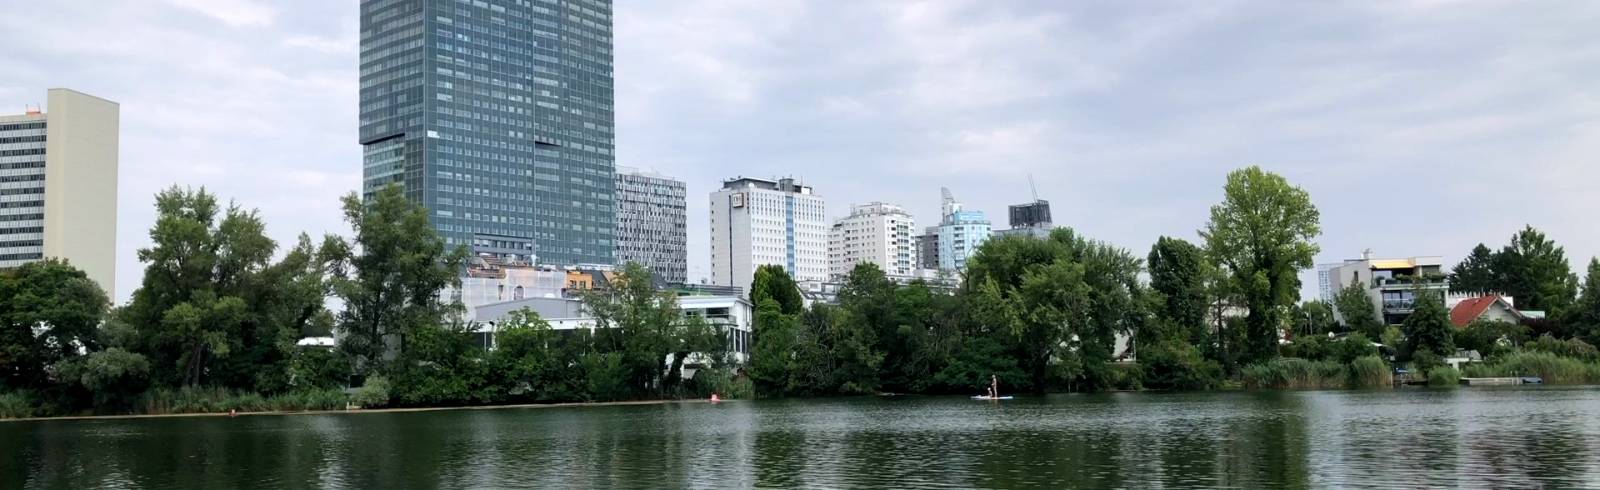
361	410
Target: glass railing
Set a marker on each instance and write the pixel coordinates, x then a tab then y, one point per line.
1426	282
1399	304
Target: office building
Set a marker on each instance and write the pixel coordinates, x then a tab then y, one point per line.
652	224
58	185
496	115
877	233
1393	284
757	222
961	232
928	249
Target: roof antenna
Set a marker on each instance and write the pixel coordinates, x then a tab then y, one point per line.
1034	188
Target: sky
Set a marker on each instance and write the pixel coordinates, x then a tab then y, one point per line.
1419	127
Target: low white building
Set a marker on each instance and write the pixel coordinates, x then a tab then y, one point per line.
732	313
878	233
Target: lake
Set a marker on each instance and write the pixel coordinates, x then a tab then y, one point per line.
1496	437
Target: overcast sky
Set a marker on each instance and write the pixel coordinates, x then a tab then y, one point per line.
1419	127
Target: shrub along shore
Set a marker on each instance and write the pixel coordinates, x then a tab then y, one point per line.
215	323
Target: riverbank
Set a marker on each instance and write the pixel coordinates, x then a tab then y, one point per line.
363	410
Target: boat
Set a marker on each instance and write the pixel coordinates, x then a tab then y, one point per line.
1532	380
982	397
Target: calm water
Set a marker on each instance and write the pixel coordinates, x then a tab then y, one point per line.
1403	439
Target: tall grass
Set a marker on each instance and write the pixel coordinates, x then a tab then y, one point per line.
1294	373
1370	372
1444	376
216	400
18	406
1553	368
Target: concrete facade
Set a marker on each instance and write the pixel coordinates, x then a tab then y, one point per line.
58	185
878	233
1393	284
757	222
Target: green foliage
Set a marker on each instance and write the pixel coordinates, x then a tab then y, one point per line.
1370	371
772	282
165	401
390	278
1294	373
1570	348
1583	319
1261	235
1428	329
773	349
1351	348
1553	368
1174	365
1535	271
49	310
375	393
1445	376
1178	271
1355	306
114	376
1491	338
1318	318
1475	274
20	405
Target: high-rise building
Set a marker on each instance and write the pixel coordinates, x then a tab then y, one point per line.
652	224
878	233
58	185
497	116
928	249
757	222
1035	214
960	233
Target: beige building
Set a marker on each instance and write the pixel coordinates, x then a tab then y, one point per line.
878	233
58	185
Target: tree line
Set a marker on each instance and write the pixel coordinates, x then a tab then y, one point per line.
217	322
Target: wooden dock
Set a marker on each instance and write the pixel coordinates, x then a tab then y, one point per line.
1491	381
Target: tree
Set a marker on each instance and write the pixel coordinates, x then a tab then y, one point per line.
390	277
773	348
1319	318
1261	235
1534	271
642	324
191	309
1583	318
533	359
1475	274
771	281
1428	329
1355	305
1178	272
49	310
868	333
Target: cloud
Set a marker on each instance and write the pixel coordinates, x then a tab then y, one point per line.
236	13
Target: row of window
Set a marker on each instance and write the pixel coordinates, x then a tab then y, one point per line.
21	126
18	153
39	138
22	256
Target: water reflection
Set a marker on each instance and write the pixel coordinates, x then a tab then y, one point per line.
1397	439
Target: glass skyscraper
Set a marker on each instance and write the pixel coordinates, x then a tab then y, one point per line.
497	116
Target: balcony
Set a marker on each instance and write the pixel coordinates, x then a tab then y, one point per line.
1401	306
1410	282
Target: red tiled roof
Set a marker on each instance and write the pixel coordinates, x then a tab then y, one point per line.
1468	310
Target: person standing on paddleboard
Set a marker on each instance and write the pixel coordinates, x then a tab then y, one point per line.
994	386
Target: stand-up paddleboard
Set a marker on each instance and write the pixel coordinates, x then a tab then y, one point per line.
981	397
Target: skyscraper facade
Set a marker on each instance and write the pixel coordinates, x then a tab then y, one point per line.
652	224
757	222
877	233
960	233
58	185
497	116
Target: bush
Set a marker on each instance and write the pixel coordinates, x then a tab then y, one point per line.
19	405
1350	348
1573	348
373	394
1294	373
162	401
721	381
1370	371
1552	368
1124	376
1444	376
1309	347
1178	366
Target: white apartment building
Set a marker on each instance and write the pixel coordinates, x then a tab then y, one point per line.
878	233
757	222
1393	284
58	185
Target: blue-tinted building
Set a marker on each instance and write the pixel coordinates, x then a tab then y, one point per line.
496	115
